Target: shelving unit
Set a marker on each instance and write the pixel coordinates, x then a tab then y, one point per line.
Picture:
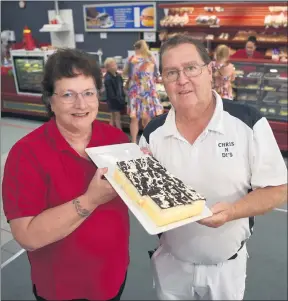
234	14
62	34
235	17
268	95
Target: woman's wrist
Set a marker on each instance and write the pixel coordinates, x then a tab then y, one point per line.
84	207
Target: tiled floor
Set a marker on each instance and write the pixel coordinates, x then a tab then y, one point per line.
11	131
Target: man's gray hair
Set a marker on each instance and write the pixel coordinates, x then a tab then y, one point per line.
180	39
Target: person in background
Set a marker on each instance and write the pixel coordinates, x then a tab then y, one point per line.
61	209
144	102
113	83
163	35
250	51
227	152
223	72
283	55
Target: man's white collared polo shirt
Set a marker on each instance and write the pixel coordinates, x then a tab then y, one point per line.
235	154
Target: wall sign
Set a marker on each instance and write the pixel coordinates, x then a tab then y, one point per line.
149	36
122	17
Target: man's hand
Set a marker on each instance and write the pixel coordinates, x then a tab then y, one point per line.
222	213
146	151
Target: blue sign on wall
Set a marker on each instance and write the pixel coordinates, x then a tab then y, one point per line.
122	17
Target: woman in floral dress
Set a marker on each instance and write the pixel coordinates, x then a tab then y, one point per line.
223	72
144	103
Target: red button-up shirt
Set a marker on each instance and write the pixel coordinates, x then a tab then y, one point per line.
42	171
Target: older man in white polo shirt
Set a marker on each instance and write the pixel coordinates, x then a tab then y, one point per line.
228	153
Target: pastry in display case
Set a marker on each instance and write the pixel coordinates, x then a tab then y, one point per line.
264	86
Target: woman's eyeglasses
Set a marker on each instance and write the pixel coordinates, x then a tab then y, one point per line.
88	95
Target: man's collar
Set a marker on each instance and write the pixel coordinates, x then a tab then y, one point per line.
215	124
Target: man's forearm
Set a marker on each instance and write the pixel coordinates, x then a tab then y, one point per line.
259	202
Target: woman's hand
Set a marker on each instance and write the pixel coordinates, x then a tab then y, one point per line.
100	190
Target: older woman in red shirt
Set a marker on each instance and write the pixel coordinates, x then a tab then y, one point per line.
249	52
61	210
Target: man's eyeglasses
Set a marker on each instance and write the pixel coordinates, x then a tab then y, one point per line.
89	95
190	71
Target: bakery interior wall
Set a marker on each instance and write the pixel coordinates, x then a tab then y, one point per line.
35	15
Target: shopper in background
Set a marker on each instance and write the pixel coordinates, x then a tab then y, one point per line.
144	103
61	210
163	35
225	151
113	83
223	73
250	51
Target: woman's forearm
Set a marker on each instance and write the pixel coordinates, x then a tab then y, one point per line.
53	224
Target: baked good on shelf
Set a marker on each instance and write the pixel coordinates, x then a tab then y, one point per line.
277	9
263	110
283	112
239	73
283	101
276	21
268	88
271	75
255	74
209	9
241	35
219	9
253	87
207	20
262	37
224	36
165	198
271	111
252	97
209	37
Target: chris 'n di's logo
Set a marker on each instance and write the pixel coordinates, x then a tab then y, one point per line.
226	149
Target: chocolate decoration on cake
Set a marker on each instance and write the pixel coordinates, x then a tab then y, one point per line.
153	180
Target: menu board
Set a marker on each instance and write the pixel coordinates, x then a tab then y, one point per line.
120	17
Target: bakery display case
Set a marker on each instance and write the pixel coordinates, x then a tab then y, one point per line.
28	67
29	74
264	86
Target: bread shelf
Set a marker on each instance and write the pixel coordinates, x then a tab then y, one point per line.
242	42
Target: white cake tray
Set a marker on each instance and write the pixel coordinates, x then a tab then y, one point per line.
107	156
